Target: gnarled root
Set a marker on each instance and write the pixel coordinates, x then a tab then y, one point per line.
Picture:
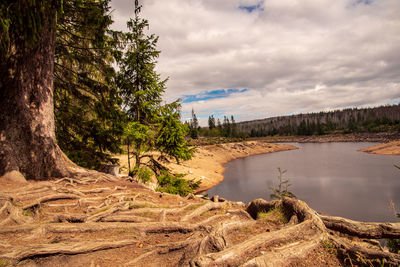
310	231
67	248
362	229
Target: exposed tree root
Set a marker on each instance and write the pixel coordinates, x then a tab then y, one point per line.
362	255
162	229
13	215
200	210
48	199
241	253
284	255
68	248
362	229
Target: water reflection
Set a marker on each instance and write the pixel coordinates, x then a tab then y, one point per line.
332	178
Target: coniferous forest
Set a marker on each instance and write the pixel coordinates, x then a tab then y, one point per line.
352	120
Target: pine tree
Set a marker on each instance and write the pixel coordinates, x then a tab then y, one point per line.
194	125
151	126
234	130
87	105
211	122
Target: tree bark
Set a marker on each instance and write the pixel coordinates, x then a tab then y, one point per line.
27	129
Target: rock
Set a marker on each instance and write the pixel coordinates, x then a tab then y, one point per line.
14	177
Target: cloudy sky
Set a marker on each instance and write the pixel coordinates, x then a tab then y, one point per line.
261	58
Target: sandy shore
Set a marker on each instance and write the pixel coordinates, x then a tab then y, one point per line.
208	162
391	148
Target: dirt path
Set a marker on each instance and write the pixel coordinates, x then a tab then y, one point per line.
208	162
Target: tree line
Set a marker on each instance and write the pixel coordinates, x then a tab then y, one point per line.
352	120
228	127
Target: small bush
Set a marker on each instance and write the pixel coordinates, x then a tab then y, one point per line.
283	187
144	174
175	184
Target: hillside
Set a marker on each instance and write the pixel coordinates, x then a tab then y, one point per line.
372	120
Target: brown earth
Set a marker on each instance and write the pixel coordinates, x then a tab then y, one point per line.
102	220
207	165
391	148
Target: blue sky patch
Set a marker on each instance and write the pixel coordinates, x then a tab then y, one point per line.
208	95
365	2
252	8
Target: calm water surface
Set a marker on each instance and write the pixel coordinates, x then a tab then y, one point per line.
332	178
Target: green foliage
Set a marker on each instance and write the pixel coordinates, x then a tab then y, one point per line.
144	174
194	126
229	128
151	126
89	120
282	190
23	21
141	87
176	184
171	134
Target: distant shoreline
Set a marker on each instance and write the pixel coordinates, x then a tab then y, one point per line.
358	137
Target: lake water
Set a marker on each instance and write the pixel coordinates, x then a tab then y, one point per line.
333	178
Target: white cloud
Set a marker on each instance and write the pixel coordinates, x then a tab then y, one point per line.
293	55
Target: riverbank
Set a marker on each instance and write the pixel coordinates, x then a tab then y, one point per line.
328	138
208	162
207	165
391	148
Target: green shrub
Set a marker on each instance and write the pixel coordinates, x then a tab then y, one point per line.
175	184
144	174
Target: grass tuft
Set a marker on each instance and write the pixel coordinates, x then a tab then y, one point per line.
276	215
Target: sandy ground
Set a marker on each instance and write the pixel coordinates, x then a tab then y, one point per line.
391	148
208	162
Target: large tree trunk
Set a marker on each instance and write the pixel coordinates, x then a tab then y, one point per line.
27	131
